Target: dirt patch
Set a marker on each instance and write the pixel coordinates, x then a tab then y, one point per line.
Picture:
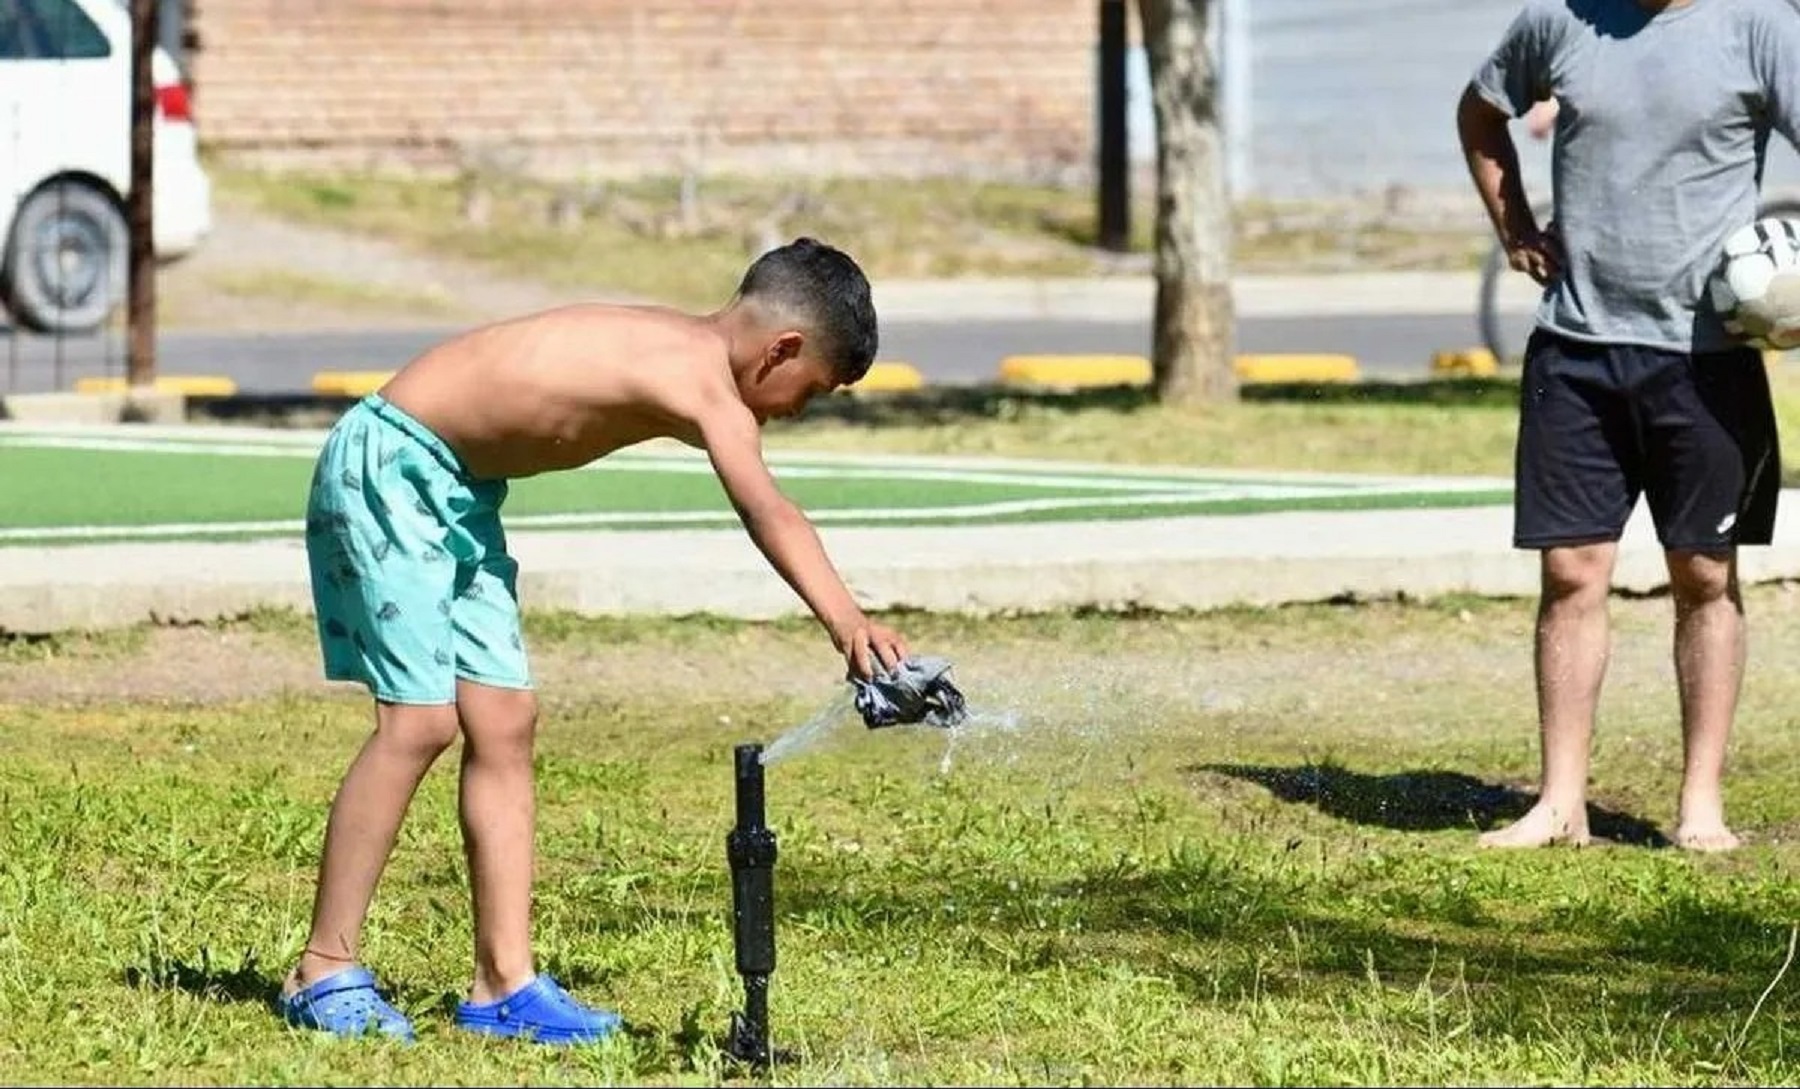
258	273
229	663
187	664
1191	663
1310	661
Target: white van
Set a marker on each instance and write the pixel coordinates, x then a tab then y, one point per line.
65	161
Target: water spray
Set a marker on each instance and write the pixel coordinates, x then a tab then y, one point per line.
918	691
750	848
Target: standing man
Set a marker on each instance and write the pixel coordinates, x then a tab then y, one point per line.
1632	386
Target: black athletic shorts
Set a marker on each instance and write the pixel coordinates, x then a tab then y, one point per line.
1600	424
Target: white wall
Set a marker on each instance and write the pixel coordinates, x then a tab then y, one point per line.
1355	96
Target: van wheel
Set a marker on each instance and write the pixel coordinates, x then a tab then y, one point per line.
65	262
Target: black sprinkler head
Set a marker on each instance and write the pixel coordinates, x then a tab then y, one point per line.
751	849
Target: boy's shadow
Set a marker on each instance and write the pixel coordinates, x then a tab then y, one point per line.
249	983
245	983
1422	800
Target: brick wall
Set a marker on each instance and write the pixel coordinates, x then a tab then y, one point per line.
620	87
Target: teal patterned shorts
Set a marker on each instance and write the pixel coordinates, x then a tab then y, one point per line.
411	582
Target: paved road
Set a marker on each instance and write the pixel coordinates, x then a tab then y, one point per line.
1387	345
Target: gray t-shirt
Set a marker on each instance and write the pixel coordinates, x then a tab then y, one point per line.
1660	135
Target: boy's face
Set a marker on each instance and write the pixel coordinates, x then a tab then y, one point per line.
790	376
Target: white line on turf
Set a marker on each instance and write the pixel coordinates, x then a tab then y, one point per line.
214	437
1039	475
602	519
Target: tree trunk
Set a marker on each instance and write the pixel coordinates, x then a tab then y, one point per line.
140	200
1193	350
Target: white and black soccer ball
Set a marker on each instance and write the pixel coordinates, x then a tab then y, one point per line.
1756	286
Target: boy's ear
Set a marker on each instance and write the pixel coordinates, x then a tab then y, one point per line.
784	347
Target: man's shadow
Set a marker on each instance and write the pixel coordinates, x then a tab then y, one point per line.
1422	800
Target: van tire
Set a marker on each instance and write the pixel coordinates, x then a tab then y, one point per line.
65	262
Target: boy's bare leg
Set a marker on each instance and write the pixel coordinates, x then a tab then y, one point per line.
1574	637
359	836
498	810
1710	643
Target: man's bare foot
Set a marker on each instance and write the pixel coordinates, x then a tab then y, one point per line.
1543	826
1707	837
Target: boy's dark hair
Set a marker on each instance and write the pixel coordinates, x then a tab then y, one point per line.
822	288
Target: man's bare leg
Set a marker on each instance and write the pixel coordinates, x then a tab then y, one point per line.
1710	646
1574	639
498	810
359	836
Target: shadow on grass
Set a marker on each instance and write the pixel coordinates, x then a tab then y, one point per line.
245	983
1497	392
950	404
1207	919
1394	954
960	403
1422	800
1204	920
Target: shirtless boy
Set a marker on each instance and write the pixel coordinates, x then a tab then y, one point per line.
417	598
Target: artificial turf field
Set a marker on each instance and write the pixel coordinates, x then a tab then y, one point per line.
79	484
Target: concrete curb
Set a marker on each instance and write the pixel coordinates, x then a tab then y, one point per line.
187	385
1296	367
153	405
1074	371
890	377
349	383
334	391
1157	564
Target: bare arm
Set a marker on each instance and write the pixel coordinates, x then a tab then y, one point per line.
787	538
1774	41
1493	161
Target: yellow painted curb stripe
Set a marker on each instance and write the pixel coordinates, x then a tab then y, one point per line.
1134	370
350	383
1075	370
1477	362
890	378
191	385
1296	368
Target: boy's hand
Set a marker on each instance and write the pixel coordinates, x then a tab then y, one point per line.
863	643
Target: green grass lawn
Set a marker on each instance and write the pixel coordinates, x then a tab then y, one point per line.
1232	848
141	488
181	486
1223	849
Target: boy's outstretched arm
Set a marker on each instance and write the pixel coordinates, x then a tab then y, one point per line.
733	442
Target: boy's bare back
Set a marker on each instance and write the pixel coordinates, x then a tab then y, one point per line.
564	387
561	388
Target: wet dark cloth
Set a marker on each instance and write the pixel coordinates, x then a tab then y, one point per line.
918	691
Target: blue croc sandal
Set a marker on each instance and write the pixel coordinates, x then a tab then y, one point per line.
541	1011
346	1004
